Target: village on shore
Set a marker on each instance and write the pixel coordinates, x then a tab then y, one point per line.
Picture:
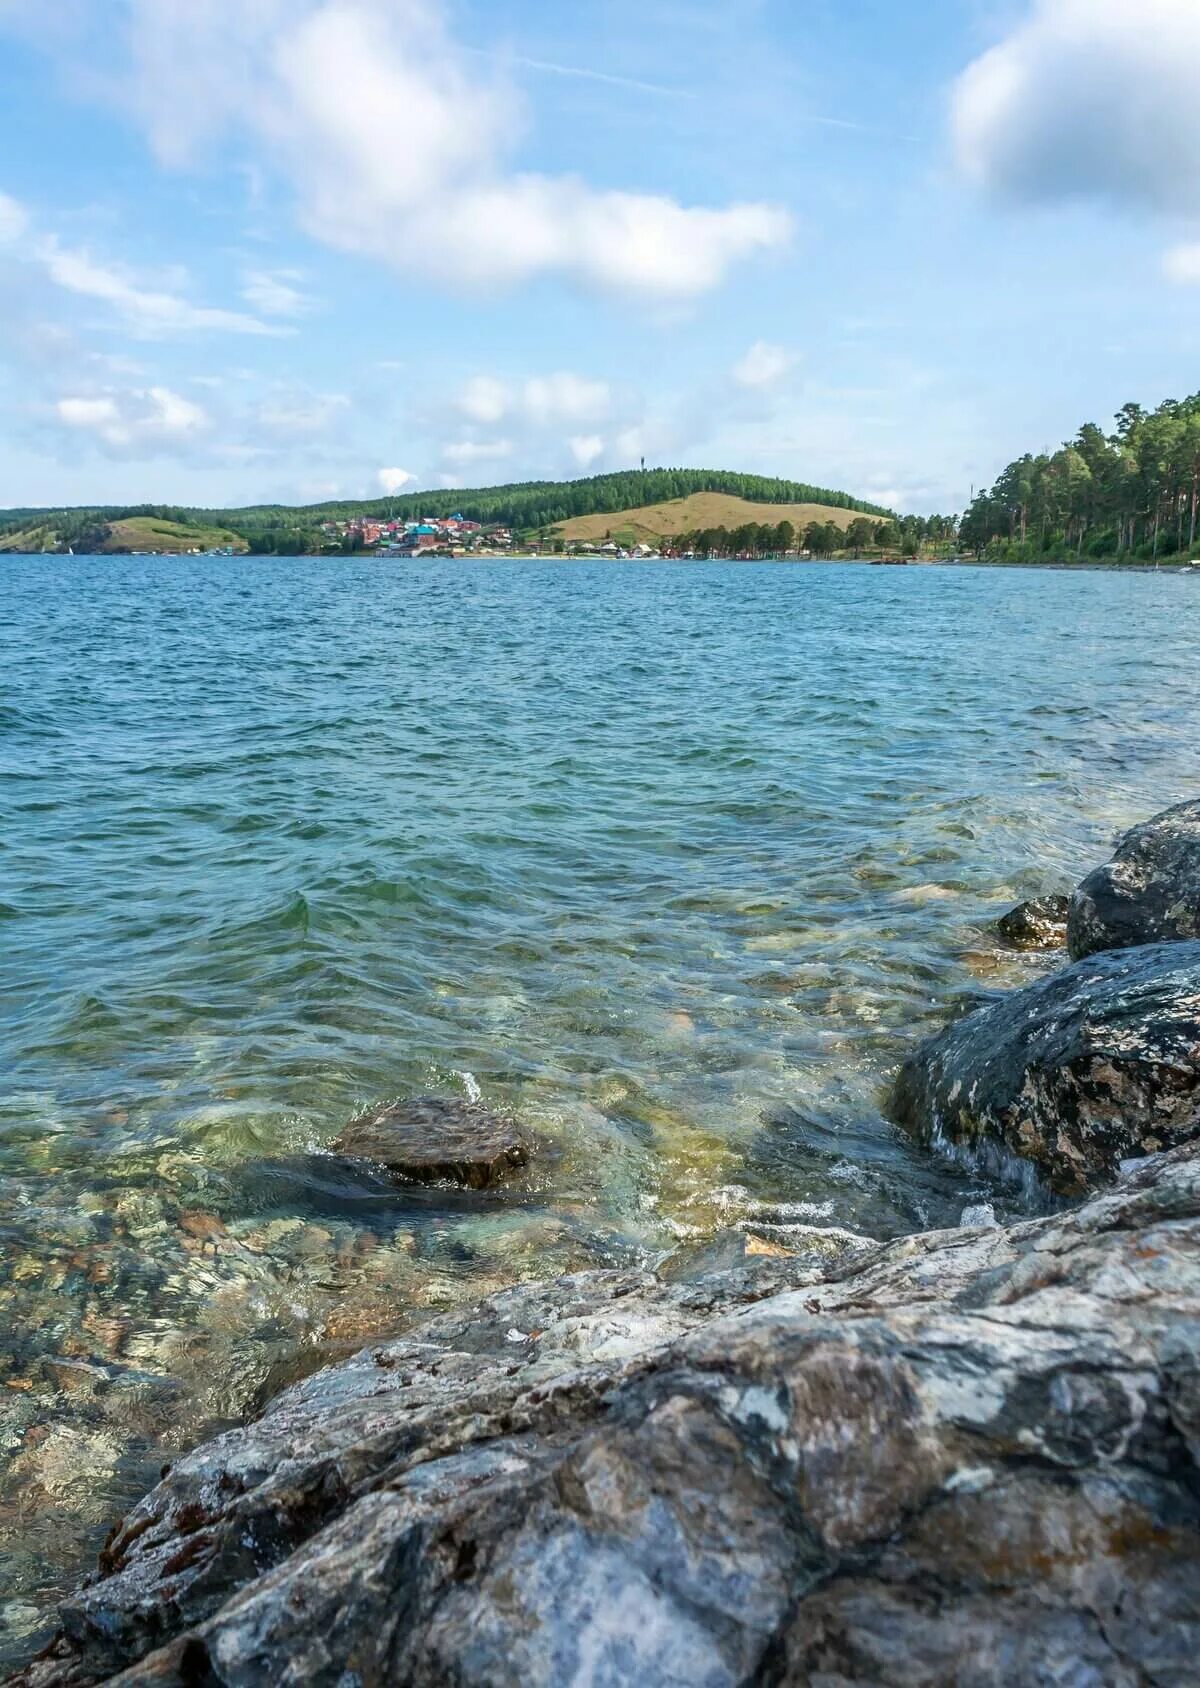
458	536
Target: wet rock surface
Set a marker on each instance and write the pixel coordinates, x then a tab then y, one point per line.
1037	925
1094	1065
430	1138
969	1456
1149	893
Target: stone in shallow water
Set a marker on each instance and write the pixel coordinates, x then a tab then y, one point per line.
1149	893
434	1137
1077	1073
1037	925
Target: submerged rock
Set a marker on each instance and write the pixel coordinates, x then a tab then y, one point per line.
434	1137
970	1456
1149	893
1085	1069
1037	925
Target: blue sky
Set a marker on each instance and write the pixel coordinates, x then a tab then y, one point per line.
290	249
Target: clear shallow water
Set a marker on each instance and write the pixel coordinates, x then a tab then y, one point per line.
673	861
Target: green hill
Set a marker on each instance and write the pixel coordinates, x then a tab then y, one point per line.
527	507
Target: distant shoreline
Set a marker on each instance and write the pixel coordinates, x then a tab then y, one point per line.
1082	566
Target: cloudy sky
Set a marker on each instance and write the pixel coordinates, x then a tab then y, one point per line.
290	249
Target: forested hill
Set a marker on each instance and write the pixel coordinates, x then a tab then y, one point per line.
1130	494
530	505
526	507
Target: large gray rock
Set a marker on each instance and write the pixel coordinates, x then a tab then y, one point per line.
1148	893
1074	1074
967	1457
438	1137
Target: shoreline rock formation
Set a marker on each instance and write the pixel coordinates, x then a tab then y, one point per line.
1096	1064
966	1456
970	1456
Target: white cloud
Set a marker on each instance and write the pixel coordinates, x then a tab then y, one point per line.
763	365
1088	99
273	293
14	220
586	449
560	399
147	312
1182	265
398	147
565	398
301	412
392	481
464	454
484	400
139	421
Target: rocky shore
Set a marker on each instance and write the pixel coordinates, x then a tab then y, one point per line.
971	1456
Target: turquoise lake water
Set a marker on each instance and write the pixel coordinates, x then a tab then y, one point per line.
673	861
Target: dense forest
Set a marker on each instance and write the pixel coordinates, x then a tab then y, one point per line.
1133	494
909	535
525	507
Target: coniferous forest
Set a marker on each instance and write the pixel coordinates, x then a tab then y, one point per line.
1129	495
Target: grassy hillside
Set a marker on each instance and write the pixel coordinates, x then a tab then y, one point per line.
653	523
150	533
127	533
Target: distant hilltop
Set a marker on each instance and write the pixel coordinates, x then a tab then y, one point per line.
631	503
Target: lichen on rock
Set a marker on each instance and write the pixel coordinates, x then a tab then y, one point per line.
1040	924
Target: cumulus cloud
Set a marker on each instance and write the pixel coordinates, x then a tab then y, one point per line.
136	422
392	481
484	400
1182	265
148	312
565	398
397	146
586	449
763	365
562	398
1088	99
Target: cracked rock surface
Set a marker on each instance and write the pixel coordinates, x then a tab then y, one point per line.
1149	893
966	1457
1094	1065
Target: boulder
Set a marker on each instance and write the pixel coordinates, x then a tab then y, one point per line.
435	1137
1148	894
1037	925
970	1456
1076	1073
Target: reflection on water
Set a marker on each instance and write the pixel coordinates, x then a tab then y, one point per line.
672	862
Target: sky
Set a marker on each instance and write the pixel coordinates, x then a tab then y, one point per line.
287	250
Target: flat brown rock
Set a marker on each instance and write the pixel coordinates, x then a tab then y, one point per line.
436	1137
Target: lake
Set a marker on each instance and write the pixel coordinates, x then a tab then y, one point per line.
672	860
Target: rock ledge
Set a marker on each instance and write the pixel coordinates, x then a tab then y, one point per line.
970	1456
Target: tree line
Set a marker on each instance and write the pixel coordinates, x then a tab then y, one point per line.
907	535
1132	494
